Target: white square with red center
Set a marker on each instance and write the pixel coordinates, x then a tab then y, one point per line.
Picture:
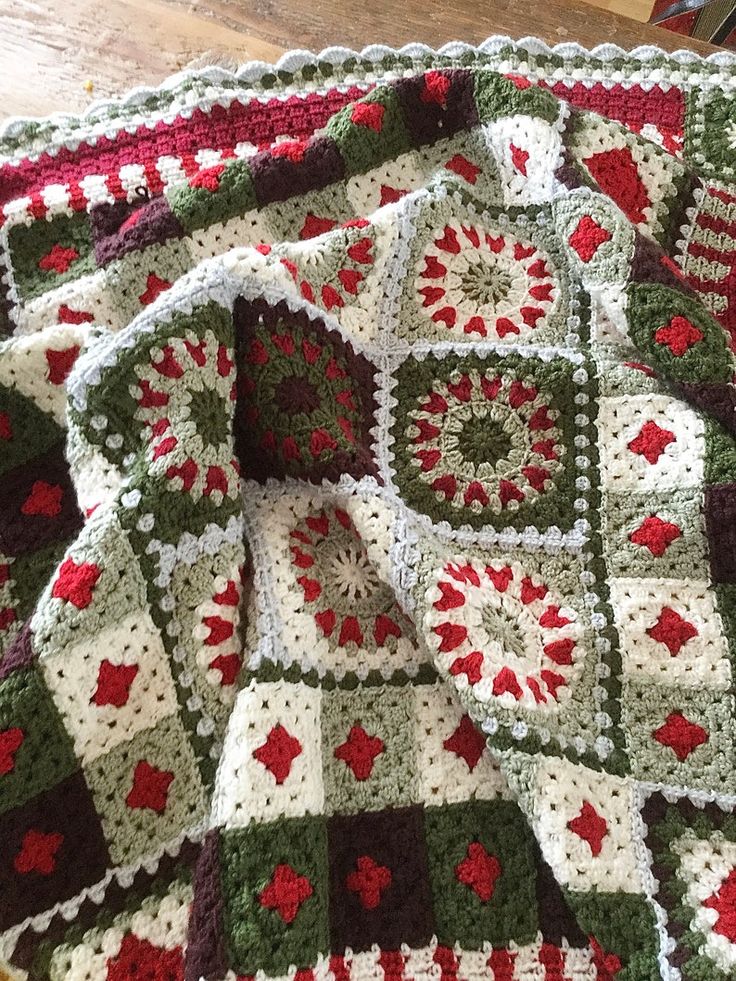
707	869
583	822
271	765
671	632
528	151
111	686
454	762
649	442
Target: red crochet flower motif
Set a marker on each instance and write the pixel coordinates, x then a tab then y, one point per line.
38	852
681	735
10	742
278	752
76	582
672	630
286	892
590	826
479	870
588	238
44	500
359	751
150	788
651	441
113	683
369	881
655	534
466	742
140	960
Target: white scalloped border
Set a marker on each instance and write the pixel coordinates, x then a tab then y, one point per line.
252	72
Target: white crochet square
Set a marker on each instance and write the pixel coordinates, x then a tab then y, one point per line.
452	763
385	184
671	632
271	763
582	820
649	442
528	152
705	866
109	687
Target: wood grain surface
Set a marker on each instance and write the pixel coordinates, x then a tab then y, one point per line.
52	52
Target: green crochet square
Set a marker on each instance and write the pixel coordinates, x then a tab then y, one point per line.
46	254
368	749
623	925
27	430
653	535
35	750
274	885
496	95
370	131
483	881
231	194
709	123
681	736
147	791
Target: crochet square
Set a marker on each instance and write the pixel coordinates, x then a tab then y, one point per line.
649	443
272	760
109	687
491	440
384	184
315	213
379	885
482	870
453	762
694	865
27	430
708	132
671	633
680	736
376	129
369	749
147	791
583	823
35	751
482	276
306	405
528	152
139	278
337	613
38	504
42	843
46	254
275	891
655	535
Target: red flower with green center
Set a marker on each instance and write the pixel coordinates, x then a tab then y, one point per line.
508	635
477	282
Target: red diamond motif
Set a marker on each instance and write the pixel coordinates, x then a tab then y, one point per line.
651	441
680	735
590	826
58	259
155	286
43	501
368	114
479	871
38	852
655	534
75	583
359	751
679	335
369	881
286	892
113	683
278	752
150	788
672	630
10	742
724	903
588	238
617	175
466	742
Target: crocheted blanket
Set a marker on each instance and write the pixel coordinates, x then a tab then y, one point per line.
368	523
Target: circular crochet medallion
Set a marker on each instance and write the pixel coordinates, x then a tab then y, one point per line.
482	282
185	396
505	633
483	441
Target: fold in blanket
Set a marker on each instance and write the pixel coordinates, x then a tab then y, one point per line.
371	591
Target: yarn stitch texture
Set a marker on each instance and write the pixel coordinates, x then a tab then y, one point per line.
367	546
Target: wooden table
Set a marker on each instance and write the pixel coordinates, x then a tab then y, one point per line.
49	49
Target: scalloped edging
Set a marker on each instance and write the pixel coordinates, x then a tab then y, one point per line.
252	76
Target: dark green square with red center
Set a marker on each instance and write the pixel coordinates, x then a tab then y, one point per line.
673	829
46	254
483	873
35	750
274	887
